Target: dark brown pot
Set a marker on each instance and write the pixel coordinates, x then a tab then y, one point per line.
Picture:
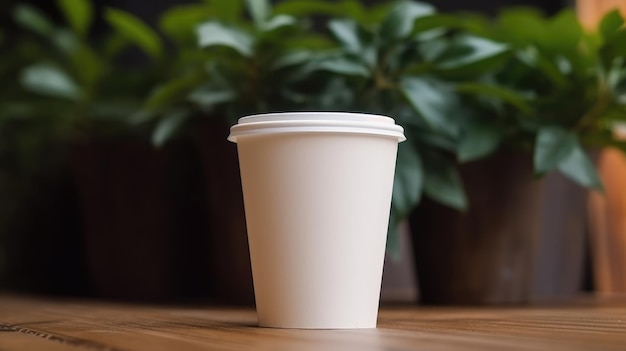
563	245
143	224
230	255
485	255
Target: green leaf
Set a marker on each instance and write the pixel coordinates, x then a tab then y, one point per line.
437	140
478	139
433	26
356	41
207	97
168	126
292	58
615	48
520	26
434	101
172	92
311	42
230	10
616	77
496	91
553	145
374	13
136	31
399	22
65	41
260	10
408	180
558	35
51	81
467	50
216	34
88	66
548	67
579	168
563	34
302	8
353	9
619	88
278	22
431	50
442	183
340	65
347	32
78	13
335	96
610	24
340	8
179	22
32	19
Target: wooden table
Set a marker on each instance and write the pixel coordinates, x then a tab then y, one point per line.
50	325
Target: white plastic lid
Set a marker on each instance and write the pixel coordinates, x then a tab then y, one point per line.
316	122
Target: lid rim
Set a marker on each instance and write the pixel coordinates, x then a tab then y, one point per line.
316	116
398	135
317	122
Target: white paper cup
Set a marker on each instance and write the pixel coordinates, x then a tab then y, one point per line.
317	193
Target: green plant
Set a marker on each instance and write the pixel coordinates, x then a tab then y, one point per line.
382	66
565	85
465	87
406	65
83	74
462	86
64	83
233	65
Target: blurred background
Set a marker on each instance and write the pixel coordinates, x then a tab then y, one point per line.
116	180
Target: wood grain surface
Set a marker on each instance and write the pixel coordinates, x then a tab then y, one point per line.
38	324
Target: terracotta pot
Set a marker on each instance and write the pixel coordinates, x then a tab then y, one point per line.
485	255
608	218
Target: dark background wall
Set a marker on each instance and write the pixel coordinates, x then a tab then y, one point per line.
149	9
493	6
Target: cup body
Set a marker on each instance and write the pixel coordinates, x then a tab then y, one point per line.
317	209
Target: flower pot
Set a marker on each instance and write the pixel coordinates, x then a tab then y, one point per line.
143	225
484	255
608	223
563	245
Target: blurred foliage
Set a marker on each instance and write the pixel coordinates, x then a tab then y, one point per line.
571	81
87	79
61	86
463	86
